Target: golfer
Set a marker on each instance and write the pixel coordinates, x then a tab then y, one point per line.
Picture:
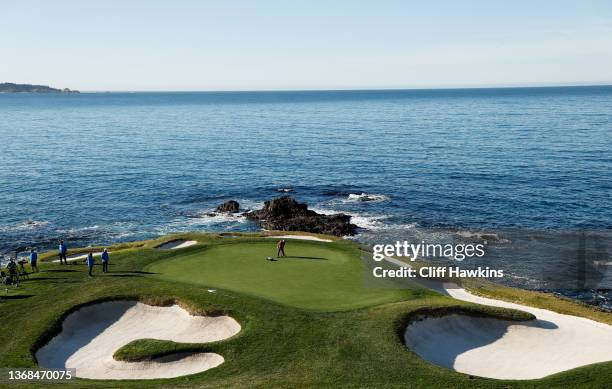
63	250
34	260
104	261
280	248
90	263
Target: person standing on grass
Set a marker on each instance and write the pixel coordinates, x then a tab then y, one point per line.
90	263
63	250
280	248
34	260
12	270
104	261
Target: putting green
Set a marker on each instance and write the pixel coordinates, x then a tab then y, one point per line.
316	276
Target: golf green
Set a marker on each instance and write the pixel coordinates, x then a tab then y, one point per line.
281	344
313	275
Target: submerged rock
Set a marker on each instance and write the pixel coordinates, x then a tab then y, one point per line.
286	214
231	206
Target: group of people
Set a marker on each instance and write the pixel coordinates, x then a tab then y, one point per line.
13	273
89	259
91	262
16	269
11	276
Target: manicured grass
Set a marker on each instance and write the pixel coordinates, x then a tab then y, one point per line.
314	275
279	345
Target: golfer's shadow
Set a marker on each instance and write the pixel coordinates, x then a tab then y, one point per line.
15	297
298	257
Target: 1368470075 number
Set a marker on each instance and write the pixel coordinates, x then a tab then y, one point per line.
39	375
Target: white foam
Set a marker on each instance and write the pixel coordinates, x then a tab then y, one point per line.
24	226
602	263
368	222
247	204
205	219
481	235
77	231
367	197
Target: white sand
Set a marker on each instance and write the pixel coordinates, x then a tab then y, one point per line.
78	257
301	237
507	349
91	335
176	244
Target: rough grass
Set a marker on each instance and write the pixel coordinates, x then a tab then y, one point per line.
279	345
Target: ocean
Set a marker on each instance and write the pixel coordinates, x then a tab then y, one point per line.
529	170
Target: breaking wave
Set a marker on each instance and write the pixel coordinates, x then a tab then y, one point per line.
365	197
24	226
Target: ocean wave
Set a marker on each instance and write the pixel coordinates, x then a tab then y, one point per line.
249	205
366	197
527	279
206	219
367	221
481	235
334	192
75	231
370	222
602	263
210	217
24	226
81	233
124	234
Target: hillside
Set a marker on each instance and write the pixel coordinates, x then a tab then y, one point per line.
9	87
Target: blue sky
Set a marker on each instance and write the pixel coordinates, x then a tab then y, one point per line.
261	45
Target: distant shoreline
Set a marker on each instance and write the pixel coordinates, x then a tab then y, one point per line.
9	87
43	89
432	89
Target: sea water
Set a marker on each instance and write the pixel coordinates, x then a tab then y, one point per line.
529	170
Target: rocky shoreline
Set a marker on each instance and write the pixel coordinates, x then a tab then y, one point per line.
286	214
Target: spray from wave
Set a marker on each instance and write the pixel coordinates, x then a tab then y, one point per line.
366	197
24	226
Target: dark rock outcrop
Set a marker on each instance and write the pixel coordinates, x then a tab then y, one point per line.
231	206
286	214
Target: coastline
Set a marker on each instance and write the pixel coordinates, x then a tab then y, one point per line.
561	280
524	341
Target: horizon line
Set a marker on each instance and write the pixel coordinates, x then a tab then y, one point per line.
518	86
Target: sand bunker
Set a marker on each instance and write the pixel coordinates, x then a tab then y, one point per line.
510	350
176	244
91	335
505	349
79	257
301	237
